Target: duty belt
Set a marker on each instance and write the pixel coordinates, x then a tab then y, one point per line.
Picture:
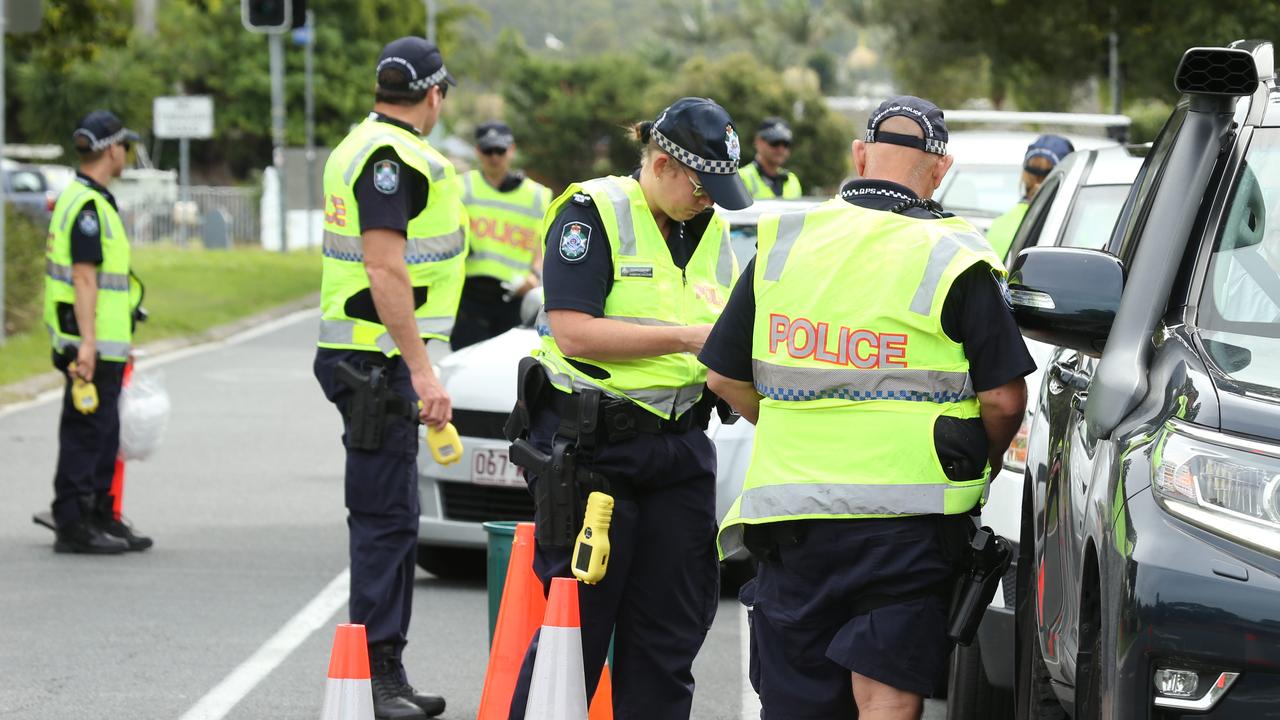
620	420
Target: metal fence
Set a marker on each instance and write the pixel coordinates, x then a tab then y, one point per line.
167	217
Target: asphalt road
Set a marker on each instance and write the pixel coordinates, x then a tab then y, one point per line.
231	614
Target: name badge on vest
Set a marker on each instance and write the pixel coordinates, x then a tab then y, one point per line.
637	271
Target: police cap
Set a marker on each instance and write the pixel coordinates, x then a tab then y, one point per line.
494	135
922	112
419	61
699	133
1051	147
774	129
100	130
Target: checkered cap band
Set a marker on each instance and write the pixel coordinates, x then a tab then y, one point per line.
931	145
701	164
96	144
434	78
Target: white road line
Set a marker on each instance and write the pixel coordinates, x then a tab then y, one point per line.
236	686
750	701
179	354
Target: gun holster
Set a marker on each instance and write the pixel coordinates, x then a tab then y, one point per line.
373	405
986	561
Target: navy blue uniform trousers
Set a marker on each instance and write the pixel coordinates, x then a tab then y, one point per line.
87	444
659	595
382	504
805	638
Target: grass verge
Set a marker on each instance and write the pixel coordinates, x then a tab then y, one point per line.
189	291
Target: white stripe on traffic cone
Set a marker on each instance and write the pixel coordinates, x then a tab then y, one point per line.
558	690
348	694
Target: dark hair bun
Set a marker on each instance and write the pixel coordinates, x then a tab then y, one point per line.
643	131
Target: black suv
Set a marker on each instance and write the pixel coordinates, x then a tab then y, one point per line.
1149	582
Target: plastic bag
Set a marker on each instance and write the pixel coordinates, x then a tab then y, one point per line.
144	414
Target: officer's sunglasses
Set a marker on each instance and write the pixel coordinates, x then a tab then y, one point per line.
494	151
780	143
698	192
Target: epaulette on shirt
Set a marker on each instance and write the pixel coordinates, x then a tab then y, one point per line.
582	199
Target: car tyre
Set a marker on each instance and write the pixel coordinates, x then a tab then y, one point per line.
451	563
1036	699
969	695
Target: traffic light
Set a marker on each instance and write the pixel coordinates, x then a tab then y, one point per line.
272	16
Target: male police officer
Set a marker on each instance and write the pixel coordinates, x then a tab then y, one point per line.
764	175
871	344
90	300
394	246
505	260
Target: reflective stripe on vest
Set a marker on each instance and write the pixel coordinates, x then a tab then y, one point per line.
534	210
793	384
350	332
117	282
416	250
680	399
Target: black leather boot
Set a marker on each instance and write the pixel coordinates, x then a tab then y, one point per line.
430	703
83	536
105	517
389	702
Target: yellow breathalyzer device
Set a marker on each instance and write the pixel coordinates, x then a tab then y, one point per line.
84	394
445	445
591	550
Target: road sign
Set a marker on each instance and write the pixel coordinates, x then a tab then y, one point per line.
183	116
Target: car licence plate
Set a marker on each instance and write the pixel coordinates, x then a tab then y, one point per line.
491	466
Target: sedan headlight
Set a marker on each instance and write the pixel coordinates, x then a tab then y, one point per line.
1229	487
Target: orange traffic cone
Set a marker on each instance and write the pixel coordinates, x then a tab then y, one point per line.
602	703
347	693
519	617
557	691
117	479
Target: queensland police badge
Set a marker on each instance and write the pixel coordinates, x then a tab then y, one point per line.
386	176
573	241
731	143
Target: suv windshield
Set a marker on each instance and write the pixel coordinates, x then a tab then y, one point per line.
1240	308
987	189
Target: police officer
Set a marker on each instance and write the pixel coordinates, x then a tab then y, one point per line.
764	175
636	269
871	344
505	260
90	300
1043	154
394	248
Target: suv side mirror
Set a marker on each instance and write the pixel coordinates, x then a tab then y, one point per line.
530	306
1066	296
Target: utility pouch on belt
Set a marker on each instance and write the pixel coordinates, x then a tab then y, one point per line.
373	404
988	558
531	383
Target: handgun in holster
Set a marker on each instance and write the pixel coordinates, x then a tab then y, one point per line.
372	407
563	482
986	561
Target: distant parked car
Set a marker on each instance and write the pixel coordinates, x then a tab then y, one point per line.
484	486
26	189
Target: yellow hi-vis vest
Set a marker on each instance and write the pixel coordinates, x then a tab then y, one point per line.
118	292
1000	234
762	190
505	227
435	249
849	356
648	289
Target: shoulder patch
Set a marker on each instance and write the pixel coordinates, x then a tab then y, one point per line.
574	240
88	222
386	176
1002	283
582	199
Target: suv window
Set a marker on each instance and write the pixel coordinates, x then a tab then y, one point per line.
1239	314
1148	180
1028	234
1093	216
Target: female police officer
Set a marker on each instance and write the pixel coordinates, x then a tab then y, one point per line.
636	268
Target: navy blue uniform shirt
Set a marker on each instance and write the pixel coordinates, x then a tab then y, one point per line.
86	229
974	313
581	282
390	201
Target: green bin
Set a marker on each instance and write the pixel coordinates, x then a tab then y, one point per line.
502	533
